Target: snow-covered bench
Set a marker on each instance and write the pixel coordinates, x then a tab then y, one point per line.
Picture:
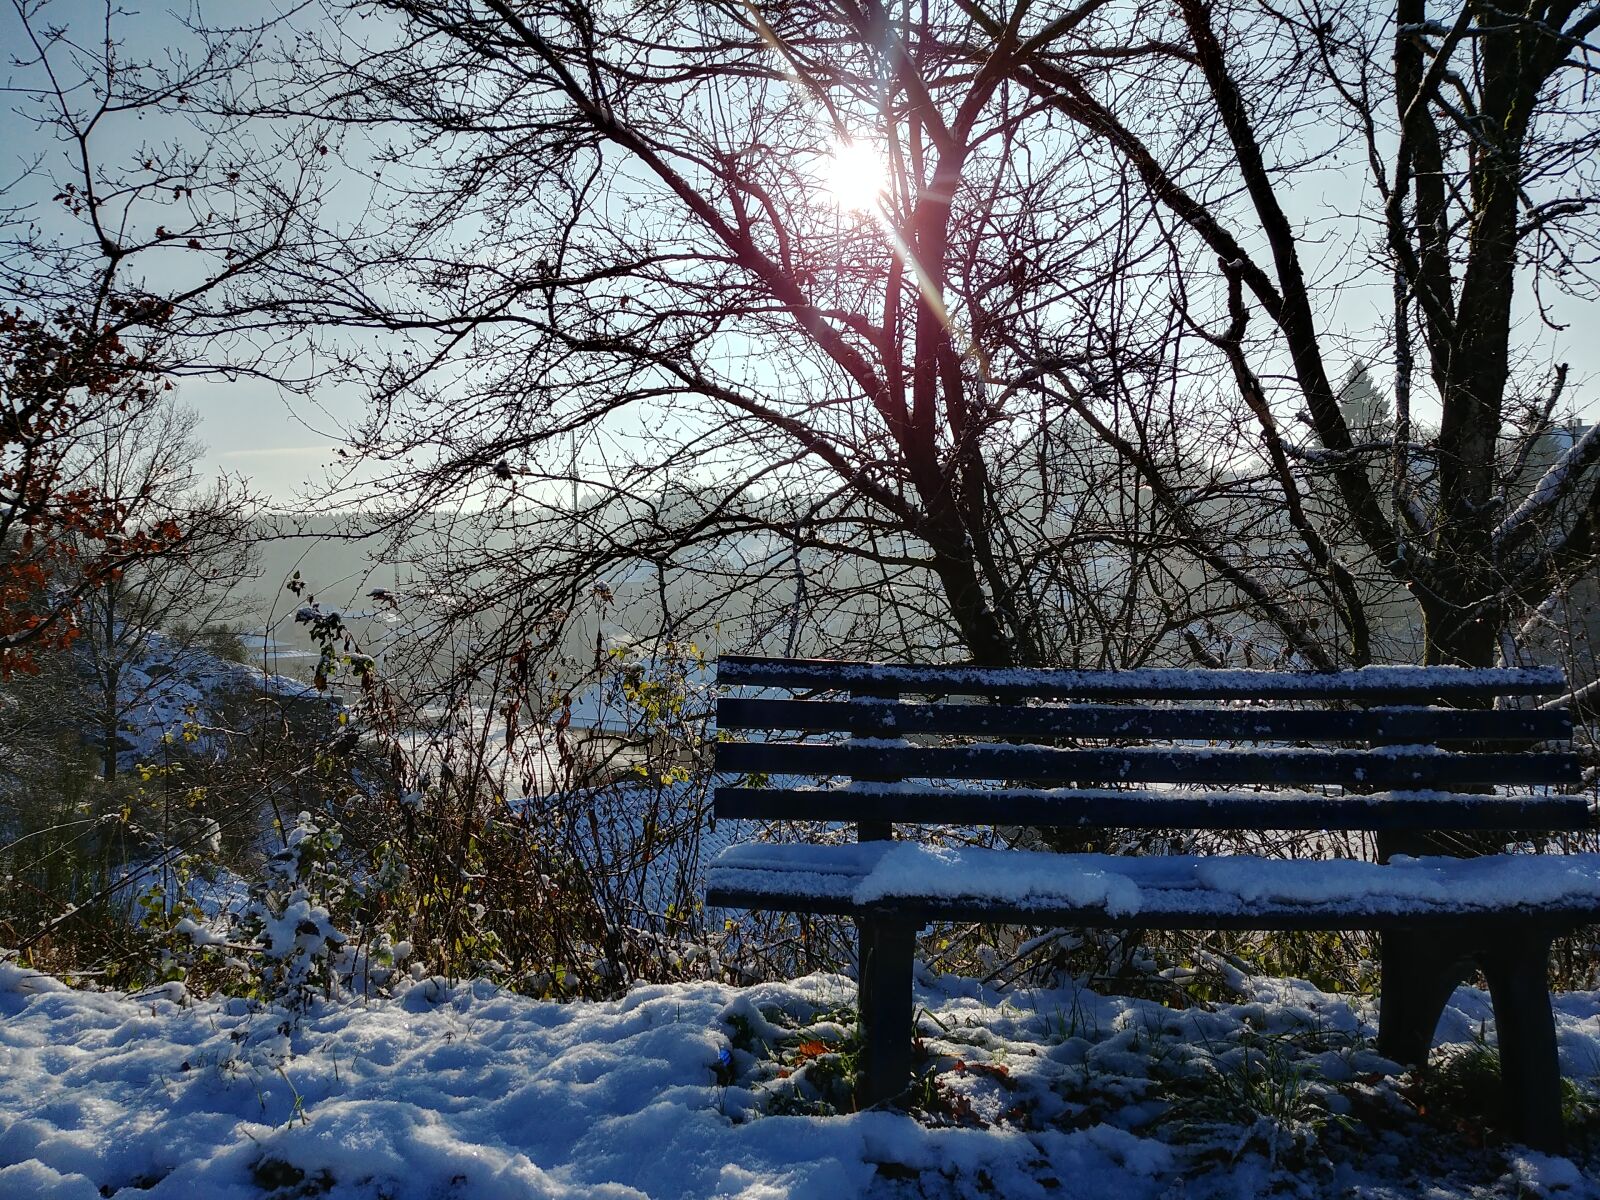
1389	749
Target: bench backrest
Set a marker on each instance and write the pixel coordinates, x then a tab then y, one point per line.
1391	738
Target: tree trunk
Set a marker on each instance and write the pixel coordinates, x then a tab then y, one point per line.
108	724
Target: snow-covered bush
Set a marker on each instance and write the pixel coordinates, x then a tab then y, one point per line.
288	919
508	840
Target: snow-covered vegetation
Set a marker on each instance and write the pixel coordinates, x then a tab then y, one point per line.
706	1090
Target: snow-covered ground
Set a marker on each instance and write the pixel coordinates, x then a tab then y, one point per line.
165	682
705	1090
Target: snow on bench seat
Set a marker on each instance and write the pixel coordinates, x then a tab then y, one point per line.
1160	890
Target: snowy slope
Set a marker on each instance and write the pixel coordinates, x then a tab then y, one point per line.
465	1091
165	680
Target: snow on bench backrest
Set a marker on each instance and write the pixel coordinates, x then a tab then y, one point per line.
1414	766
1393	684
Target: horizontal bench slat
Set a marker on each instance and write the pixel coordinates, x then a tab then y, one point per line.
1377	769
1397	726
1395	684
1162	891
1151	810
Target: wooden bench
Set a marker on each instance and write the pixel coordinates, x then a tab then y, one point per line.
1394	750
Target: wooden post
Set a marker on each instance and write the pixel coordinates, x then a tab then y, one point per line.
888	947
1419	971
1530	1069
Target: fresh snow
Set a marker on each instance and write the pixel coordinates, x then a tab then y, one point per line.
1390	682
165	683
1551	485
1122	885
468	1091
1159	793
1492	881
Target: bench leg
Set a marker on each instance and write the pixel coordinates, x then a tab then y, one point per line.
1420	970
1530	1070
886	948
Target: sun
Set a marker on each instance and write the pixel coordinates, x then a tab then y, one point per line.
857	176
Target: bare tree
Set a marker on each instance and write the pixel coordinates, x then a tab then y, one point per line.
58	541
735	332
131	242
927	299
933	301
175	594
1472	128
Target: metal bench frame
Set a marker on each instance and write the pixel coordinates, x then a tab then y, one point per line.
1424	955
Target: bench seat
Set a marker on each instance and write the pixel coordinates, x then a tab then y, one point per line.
1163	892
